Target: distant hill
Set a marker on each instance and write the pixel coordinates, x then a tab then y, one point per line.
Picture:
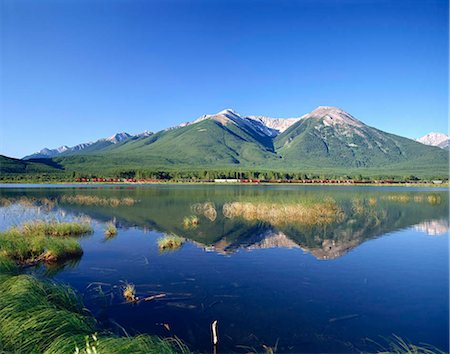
10	165
328	139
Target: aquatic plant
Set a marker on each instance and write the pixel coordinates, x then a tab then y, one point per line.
191	222
129	292
110	230
170	242
398	345
278	213
95	200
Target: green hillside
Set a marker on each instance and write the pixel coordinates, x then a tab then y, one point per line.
9	165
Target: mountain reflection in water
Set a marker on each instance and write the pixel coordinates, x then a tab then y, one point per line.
325	223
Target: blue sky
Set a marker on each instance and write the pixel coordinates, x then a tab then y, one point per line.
75	71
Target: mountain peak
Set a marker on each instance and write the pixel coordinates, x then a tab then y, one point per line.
435	139
228	111
118	137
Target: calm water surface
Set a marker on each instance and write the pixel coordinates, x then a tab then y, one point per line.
309	269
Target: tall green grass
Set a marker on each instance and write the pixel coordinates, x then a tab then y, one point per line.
44	317
54	228
38	316
26	249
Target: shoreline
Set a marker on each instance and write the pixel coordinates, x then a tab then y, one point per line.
119	184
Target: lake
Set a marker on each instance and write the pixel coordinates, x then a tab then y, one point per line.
299	268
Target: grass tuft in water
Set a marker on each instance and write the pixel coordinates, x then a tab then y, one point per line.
280	213
36	242
111	230
129	293
170	242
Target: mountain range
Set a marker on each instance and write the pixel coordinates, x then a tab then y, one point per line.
327	138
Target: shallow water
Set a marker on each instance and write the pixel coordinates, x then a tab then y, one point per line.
355	263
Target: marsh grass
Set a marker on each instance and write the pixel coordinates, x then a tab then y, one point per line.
191	222
170	243
81	199
110	230
44	317
39	241
398	345
278	214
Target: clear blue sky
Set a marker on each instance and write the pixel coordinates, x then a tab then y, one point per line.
75	71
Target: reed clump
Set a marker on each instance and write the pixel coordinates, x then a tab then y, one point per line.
207	209
191	222
81	199
170	242
278	214
110	230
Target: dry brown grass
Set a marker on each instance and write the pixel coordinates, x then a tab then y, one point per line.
95	200
129	293
278	214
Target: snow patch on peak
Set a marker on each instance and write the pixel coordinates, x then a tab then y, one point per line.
63	148
276	125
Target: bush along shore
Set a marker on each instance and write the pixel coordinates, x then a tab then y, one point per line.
40	316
